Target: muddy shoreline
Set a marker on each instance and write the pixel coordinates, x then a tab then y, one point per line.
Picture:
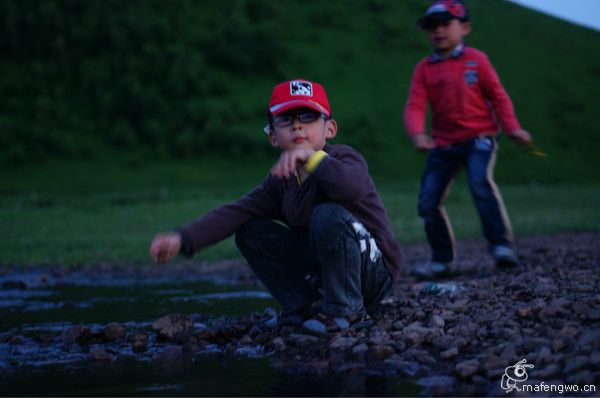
546	312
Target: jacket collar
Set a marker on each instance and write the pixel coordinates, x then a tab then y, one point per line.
456	53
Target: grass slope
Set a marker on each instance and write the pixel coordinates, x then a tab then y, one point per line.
211	73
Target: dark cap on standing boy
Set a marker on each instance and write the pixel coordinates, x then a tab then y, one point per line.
443	11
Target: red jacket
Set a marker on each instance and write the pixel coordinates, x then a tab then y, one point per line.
465	96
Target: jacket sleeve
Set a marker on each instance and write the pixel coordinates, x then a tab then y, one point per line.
263	202
341	177
495	93
415	109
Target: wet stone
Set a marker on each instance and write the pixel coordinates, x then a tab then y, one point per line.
560	343
381	338
173	327
467	368
76	334
279	344
575	364
437	321
5	337
589	339
398	325
139	346
349	368
16	340
396	366
379	352
142	337
100	354
549	371
494	367
113	331
545	356
25	349
342	343
262	338
437	385
302	339
585	377
45	338
270	312
246	340
14	285
360	350
569	330
524	312
450	353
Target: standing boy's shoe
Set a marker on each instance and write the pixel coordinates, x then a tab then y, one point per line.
323	324
504	256
434	270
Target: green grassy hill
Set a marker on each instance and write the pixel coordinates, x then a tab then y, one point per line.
185	79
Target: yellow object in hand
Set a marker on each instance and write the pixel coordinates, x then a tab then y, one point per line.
535	151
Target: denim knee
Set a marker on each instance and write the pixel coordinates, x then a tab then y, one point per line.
480	188
326	220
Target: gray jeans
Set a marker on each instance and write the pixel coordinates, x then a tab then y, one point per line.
336	256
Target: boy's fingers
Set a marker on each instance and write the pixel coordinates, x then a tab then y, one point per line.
164	247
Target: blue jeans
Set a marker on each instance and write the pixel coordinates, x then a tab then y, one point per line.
335	258
478	156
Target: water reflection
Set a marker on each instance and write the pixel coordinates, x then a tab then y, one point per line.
212	375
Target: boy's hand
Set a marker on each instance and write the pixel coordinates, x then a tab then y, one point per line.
290	160
165	246
423	142
520	136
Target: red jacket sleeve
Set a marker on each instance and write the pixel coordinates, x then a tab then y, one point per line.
495	93
416	106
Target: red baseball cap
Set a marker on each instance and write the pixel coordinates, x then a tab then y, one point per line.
298	93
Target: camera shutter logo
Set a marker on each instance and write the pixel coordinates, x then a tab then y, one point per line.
513	375
298	87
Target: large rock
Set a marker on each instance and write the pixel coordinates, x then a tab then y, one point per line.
173	327
76	334
113	331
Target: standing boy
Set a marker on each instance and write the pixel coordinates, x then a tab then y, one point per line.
467	101
335	240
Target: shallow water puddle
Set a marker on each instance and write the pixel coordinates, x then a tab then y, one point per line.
45	303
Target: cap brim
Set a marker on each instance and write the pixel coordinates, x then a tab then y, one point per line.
297	103
432	19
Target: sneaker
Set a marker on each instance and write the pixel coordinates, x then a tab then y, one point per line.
504	256
434	270
323	324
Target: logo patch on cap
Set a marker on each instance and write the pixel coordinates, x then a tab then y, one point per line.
298	87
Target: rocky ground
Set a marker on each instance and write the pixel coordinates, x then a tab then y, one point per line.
453	343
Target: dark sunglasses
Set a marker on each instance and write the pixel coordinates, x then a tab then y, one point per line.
286	119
